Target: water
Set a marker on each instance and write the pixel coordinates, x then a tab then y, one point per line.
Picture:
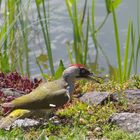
61	32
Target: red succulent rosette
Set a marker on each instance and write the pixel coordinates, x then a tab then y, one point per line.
14	81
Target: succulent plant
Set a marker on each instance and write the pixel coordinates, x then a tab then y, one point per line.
15	81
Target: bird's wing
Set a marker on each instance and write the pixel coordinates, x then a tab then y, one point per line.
14	115
43	97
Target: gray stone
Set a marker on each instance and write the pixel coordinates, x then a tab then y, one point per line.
95	98
129	122
23	123
132	96
12	92
26	123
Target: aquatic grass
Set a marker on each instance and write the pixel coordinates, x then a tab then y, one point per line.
86	41
44	26
138	18
138	44
70	56
118	50
6	36
94	30
14	52
14	36
80	42
132	50
130	56
92	26
10	46
122	73
127	68
24	31
10	13
137	55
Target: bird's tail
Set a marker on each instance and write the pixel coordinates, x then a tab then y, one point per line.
7	121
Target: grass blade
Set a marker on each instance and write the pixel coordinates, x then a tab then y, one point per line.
137	54
86	41
132	50
69	52
117	45
46	37
125	76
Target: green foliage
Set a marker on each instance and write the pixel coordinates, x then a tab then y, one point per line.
38	2
44	26
58	72
90	116
112	4
117	46
14	53
80	42
114	133
122	73
12	50
138	43
4	64
42	59
126	75
136	81
60	69
15	133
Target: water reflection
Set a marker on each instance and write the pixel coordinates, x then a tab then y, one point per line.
61	32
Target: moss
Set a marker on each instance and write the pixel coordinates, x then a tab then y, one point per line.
79	120
112	132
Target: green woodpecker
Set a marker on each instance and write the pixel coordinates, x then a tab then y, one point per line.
47	96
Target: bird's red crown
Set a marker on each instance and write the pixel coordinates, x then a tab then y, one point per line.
78	65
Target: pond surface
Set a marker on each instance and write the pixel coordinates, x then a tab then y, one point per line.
61	32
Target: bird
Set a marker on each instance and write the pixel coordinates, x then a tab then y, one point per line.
48	95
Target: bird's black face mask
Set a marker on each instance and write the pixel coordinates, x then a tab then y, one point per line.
84	73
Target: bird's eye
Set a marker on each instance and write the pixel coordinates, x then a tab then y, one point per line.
83	71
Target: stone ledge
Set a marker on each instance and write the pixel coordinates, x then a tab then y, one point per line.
129	122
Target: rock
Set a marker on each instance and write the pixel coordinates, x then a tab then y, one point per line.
134	108
131	97
95	98
12	92
91	136
25	123
98	129
82	121
129	122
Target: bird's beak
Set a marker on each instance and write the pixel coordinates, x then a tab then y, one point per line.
93	77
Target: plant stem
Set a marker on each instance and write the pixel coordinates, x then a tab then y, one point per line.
117	45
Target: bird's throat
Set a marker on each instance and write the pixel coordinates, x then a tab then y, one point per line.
70	86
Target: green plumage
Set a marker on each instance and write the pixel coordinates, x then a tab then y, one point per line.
43	96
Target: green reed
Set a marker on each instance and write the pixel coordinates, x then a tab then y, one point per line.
11	48
80	42
44	26
80	49
14	37
138	43
7	33
131	52
24	33
14	41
